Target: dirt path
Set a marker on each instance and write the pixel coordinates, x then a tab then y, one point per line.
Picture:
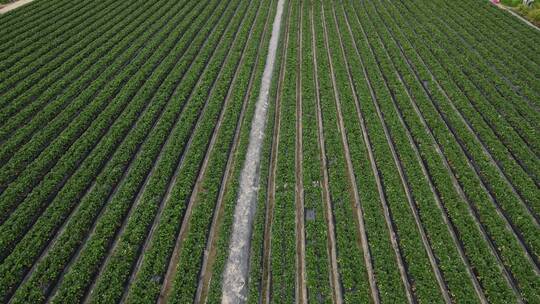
236	269
13	5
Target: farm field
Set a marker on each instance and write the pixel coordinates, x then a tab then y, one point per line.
400	159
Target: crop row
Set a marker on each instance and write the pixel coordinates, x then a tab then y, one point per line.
35	11
403	133
515	131
394	92
413	247
17	51
514	121
508	203
389	283
283	232
13	92
131	207
393	79
33	15
195	239
421	203
439	176
301	277
156	258
497	50
59	110
518	35
44	24
76	187
48	93
317	261
131	230
458	161
46	99
506	25
54	147
453	269
402	220
525	187
335	93
29	68
528	88
59	65
127	248
199	145
83	150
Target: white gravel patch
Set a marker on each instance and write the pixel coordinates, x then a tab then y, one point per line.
236	269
